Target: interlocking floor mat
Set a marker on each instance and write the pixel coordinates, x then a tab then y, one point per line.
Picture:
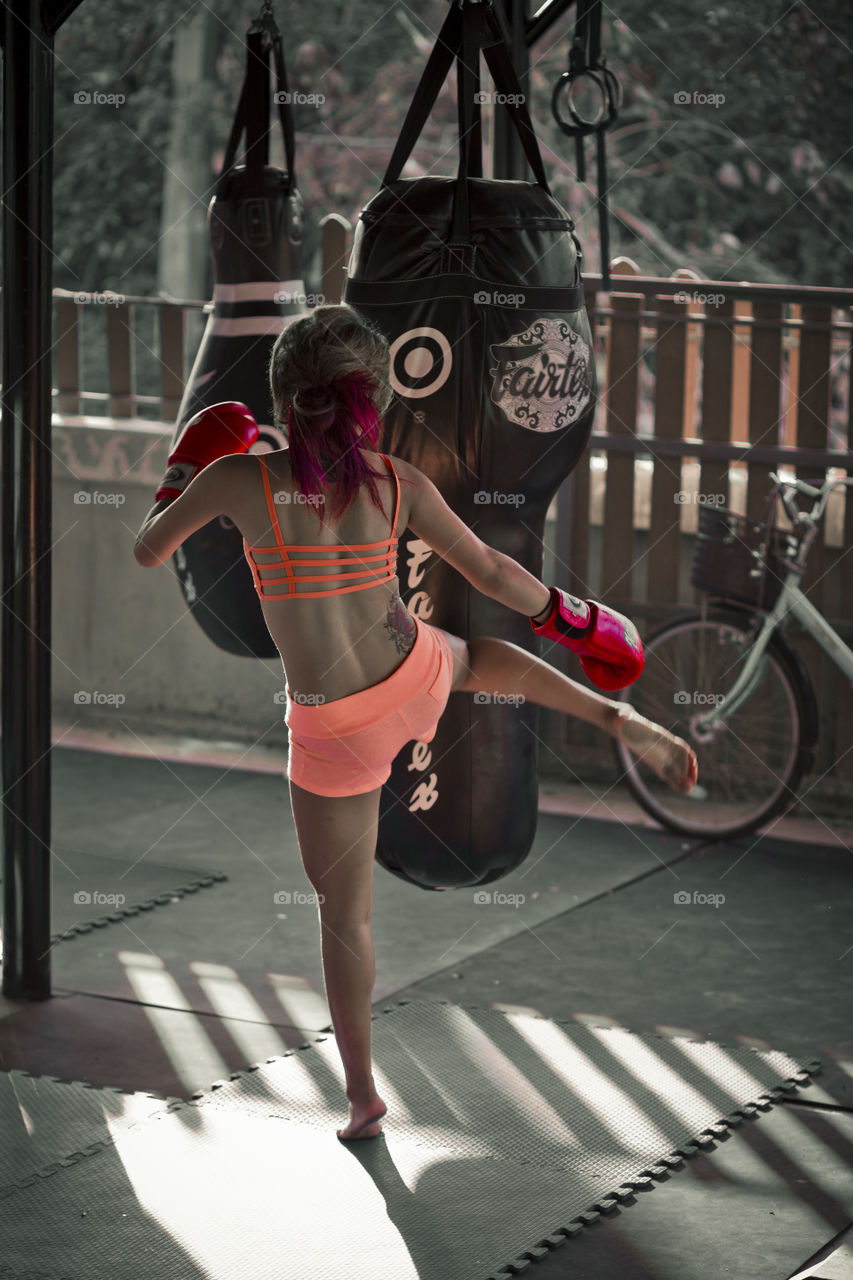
506	1133
90	891
44	1119
416	934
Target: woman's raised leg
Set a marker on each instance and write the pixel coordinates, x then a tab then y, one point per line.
490	665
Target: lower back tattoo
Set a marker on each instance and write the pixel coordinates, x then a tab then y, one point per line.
400	624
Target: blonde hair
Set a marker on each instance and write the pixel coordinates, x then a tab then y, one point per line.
330	385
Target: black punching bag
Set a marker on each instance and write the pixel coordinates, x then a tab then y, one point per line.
476	284
255	222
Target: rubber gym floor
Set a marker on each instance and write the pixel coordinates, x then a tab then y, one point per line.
633	1060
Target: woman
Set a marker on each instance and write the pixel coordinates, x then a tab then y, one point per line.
363	675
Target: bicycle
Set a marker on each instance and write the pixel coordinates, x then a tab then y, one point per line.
741	695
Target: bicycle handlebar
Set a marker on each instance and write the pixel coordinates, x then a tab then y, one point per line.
821	495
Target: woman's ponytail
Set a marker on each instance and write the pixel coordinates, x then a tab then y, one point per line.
329	378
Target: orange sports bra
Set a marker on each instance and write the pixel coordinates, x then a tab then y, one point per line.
386	552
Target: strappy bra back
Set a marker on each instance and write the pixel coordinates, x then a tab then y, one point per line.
381	565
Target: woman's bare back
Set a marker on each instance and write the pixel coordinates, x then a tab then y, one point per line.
330	647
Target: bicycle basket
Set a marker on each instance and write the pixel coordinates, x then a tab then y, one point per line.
723	560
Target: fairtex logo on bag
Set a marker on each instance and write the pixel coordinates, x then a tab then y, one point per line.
542	377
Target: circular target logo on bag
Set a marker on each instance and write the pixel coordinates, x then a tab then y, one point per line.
421	361
542	377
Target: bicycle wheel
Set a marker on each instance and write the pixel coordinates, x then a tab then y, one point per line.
750	767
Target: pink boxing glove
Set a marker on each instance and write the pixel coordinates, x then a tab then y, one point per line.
227	427
607	642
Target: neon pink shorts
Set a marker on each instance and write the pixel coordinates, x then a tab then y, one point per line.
347	746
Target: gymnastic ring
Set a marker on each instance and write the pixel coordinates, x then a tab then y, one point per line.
565	84
614	94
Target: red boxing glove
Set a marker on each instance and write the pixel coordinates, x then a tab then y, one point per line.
607	642
220	429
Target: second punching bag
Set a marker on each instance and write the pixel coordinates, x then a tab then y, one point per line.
476	284
255	221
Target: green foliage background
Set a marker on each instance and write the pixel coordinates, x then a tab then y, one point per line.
754	189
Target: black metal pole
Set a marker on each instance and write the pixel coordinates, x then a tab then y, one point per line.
25	634
509	160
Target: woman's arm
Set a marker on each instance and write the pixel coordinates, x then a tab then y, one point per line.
518	589
489	570
171	520
198	485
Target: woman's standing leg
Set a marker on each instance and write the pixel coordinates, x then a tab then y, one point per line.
337	843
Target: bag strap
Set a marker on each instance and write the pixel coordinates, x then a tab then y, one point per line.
435	73
252	112
256	118
470	135
285	111
503	71
587	38
468	93
469	27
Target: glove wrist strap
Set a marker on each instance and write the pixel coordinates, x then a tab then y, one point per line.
176	478
568	616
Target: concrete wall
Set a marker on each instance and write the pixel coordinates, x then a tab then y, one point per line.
122	631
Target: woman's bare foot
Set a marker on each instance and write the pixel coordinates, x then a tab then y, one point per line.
363	1119
671	758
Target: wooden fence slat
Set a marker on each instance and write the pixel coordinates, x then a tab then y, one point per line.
171	360
717	366
842	570
741	356
812	419
814	386
690	426
622	381
335	234
845	569
119	360
765	399
67	355
670	390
